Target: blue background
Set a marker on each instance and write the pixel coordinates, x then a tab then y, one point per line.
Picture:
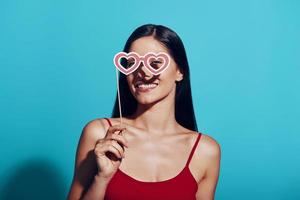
57	74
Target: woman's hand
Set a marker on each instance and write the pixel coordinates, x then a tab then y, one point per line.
109	151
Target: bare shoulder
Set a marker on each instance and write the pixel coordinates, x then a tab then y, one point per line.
94	129
209	147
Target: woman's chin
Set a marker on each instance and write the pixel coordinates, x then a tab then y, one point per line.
145	101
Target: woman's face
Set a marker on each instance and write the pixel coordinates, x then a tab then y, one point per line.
146	87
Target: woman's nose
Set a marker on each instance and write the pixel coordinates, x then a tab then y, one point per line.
143	70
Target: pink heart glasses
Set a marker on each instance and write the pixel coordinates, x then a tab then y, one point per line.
135	60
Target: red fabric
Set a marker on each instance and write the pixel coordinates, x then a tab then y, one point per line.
181	187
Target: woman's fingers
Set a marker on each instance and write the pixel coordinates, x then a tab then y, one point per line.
115	133
113	142
119	138
101	151
115	151
113	129
117	146
109	145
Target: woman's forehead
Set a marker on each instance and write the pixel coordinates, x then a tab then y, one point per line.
147	44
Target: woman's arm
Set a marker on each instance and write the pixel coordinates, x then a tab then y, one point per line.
97	189
86	183
207	186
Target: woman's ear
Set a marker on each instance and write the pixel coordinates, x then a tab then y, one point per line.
179	75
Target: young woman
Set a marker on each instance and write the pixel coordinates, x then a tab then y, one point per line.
157	152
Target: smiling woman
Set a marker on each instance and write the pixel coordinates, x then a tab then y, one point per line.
166	156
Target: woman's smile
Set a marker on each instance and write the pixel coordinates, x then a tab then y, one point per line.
145	87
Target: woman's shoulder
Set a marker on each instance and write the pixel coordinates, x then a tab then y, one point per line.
95	128
208	146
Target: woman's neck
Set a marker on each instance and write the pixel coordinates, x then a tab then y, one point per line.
157	118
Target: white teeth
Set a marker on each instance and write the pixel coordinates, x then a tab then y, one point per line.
146	85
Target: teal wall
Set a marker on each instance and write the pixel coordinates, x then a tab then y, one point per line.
57	74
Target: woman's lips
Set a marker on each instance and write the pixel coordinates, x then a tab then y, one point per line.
145	87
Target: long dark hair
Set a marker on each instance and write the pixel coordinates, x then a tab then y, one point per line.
184	110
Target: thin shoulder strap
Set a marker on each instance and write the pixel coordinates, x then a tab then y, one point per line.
193	149
108	121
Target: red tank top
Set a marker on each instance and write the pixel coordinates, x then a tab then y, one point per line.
181	187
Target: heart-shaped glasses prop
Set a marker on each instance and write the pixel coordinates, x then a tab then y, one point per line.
127	63
156	63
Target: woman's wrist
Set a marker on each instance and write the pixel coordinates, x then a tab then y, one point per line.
102	179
